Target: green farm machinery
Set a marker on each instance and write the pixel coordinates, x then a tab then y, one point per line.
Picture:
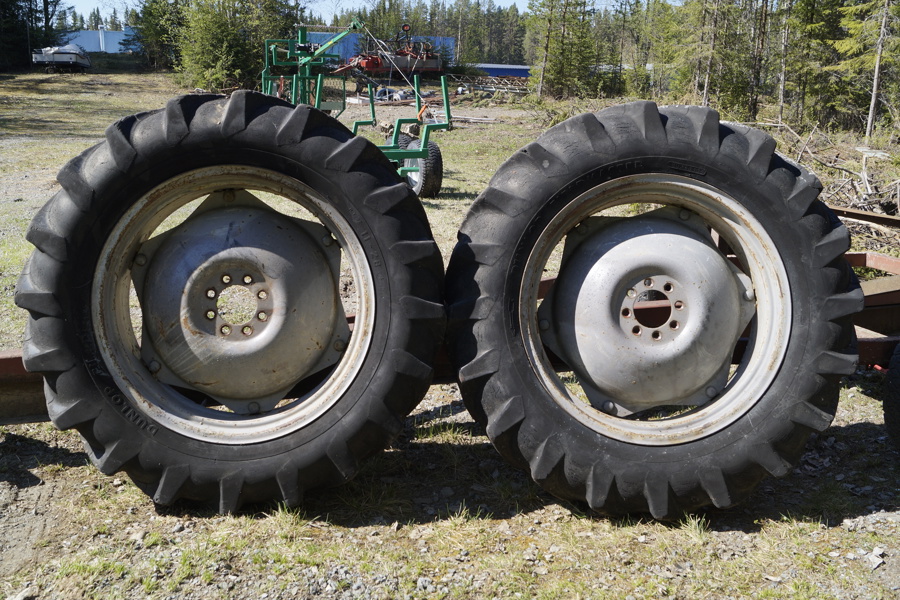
296	71
238	299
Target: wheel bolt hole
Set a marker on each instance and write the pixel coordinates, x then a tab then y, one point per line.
210	293
652	309
226	330
248	280
626	312
262	316
636	330
631	293
656	335
236	305
247	330
226	279
668	287
673	325
262	295
678	305
648	282
210	314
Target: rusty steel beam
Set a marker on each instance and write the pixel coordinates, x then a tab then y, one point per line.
878	331
874	260
866	216
21	392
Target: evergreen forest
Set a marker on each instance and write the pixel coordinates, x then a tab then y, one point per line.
831	62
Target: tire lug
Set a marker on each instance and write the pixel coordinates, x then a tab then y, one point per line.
544	324
711	392
684	215
340	345
253	408
140	260
154	366
327	240
749	295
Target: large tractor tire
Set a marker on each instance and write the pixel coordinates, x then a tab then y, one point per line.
426	182
890	396
190	294
679	242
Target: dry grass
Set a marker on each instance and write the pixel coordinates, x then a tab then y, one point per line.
438	515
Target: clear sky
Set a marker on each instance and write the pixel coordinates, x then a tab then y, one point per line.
321	7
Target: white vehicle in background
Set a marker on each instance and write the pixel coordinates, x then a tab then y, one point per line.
70	57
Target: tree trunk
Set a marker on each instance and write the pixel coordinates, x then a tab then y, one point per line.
782	78
712	51
759	51
540	88
876	78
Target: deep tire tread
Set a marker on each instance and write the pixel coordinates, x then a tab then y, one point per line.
516	421
196	125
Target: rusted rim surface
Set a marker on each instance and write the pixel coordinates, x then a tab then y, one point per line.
206	400
719	400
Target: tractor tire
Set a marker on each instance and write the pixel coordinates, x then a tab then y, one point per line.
427	182
635	207
403	141
190	292
890	396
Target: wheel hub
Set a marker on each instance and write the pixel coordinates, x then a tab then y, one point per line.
239	303
647	312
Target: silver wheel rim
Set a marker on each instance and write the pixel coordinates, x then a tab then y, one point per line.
144	375
413	178
761	266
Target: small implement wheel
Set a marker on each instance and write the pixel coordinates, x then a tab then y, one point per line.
679	244
890	396
190	295
426	182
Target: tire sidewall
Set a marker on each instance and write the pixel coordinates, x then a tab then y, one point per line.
768	413
120	193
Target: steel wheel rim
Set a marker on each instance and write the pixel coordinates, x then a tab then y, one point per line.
413	178
120	348
771	322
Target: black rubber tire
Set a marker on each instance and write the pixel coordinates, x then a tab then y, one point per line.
890	395
259	131
403	140
499	382
431	170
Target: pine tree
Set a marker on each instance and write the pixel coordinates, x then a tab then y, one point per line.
113	23
94	20
868	46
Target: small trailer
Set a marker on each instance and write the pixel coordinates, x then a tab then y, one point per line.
70	57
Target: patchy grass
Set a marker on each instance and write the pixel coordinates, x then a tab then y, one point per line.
438	515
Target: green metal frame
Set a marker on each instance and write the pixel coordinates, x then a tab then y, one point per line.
303	86
393	150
